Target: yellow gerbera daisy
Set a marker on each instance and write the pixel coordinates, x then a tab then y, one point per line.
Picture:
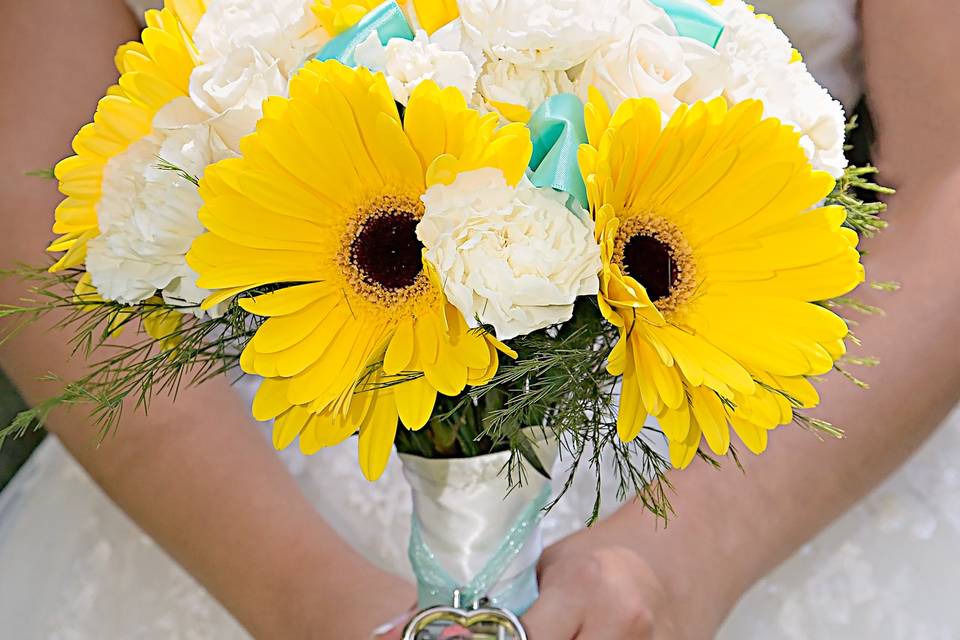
327	198
337	16
434	14
153	73
714	252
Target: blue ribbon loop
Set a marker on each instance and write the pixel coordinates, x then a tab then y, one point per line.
557	128
693	19
387	21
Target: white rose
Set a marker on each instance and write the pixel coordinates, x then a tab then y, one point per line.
231	91
407	63
148	217
515	257
556	35
651	63
504	82
287	30
763	67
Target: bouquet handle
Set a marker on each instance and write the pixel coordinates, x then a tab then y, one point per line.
490	586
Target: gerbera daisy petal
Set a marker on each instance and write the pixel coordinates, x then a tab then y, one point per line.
676	423
377	435
400	351
682	452
271	399
415	404
288	426
754	437
434	14
631	415
711	418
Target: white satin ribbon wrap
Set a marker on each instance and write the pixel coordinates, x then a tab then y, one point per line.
465	511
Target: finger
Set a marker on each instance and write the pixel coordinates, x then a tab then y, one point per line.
554	616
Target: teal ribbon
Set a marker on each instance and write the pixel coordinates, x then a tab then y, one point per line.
694	19
387	21
435	587
557	128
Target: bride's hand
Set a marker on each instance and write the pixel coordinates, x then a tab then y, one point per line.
601	592
628	579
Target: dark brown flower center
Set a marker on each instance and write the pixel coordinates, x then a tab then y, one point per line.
386	250
654	252
650	262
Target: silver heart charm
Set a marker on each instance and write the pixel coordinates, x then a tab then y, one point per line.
484	624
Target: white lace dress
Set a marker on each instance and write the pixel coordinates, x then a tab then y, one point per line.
73	567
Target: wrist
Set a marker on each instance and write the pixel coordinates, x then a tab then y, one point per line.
323	588
698	556
353	598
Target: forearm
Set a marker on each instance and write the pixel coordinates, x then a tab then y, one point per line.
733	527
204	483
195	474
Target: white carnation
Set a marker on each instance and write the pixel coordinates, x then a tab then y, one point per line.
761	63
286	30
453	37
505	82
556	35
515	257
230	91
652	63
407	63
148	218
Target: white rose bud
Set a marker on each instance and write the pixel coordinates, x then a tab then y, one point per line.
649	63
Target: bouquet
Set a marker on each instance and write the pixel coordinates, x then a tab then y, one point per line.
484	233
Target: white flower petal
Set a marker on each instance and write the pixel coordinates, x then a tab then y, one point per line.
286	30
407	63
760	59
148	217
555	35
515	258
649	62
231	90
505	82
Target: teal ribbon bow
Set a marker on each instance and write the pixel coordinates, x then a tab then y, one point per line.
694	19
435	587
557	129
387	21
